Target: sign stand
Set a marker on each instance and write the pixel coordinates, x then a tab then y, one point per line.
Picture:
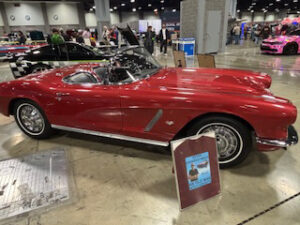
196	168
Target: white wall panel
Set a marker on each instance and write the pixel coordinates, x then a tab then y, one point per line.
62	13
270	17
90	19
27	14
114	18
258	17
246	17
129	17
151	16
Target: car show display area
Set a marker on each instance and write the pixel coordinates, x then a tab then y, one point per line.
120	182
32	182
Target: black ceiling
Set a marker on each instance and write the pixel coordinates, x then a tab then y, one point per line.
243	5
160	5
144	5
268	5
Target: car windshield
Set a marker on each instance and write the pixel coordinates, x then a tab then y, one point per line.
138	61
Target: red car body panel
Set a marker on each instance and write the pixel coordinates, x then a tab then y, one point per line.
181	94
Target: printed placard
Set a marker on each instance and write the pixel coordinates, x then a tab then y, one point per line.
196	168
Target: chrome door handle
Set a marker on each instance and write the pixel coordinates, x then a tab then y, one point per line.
60	94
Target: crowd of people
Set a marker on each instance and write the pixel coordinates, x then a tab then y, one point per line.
163	37
58	36
258	32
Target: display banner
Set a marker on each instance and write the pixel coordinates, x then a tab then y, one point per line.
196	168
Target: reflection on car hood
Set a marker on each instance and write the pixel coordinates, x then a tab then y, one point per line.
282	38
213	80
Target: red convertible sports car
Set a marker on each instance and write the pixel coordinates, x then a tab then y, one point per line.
135	99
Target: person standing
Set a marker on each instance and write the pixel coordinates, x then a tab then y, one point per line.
105	33
257	34
237	33
64	35
22	38
56	38
266	31
164	37
79	38
149	40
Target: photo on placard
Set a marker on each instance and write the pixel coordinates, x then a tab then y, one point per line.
198	170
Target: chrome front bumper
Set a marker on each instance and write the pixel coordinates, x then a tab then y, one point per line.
291	140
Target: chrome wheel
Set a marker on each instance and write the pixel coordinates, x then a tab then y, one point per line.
229	141
30	119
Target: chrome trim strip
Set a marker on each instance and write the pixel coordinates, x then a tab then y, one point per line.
154	120
109	135
278	143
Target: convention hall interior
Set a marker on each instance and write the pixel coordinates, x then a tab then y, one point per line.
149	112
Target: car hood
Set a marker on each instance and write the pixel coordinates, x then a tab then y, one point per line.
212	80
129	36
280	38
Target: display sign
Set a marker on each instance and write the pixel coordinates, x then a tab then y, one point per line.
179	59
196	168
206	60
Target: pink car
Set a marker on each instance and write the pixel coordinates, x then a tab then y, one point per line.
284	44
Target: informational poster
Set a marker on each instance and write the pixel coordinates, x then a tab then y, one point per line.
196	168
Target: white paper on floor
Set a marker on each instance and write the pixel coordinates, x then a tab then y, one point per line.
32	182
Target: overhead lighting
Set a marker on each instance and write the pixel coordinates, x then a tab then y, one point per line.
162	8
238	10
111	9
277	0
133	9
132	1
271	4
174	10
295	1
123	4
155	10
140	8
253	3
91	9
94	7
252	11
115	8
149	5
162	1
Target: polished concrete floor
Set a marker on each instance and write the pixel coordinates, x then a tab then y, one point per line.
118	183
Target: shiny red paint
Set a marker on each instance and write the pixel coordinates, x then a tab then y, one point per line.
182	94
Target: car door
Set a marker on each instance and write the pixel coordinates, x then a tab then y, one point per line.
45	53
83	103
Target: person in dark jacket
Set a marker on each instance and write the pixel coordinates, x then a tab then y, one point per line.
164	37
149	40
266	31
64	35
22	38
79	38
